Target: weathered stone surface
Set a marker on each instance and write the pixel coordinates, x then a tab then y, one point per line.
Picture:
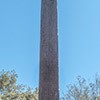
49	85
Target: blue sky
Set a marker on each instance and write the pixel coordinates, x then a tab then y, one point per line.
79	39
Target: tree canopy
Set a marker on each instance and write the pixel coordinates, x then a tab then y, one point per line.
83	90
10	90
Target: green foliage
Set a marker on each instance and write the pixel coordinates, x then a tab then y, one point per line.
10	90
83	90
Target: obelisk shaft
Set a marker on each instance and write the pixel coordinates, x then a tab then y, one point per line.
49	83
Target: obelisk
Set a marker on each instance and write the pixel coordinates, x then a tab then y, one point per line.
48	78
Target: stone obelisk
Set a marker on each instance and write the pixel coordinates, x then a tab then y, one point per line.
49	80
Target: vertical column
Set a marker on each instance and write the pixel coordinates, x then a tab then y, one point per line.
48	84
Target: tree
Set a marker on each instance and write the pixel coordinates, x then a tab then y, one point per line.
83	90
10	90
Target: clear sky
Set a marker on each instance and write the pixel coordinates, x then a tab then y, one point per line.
79	39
